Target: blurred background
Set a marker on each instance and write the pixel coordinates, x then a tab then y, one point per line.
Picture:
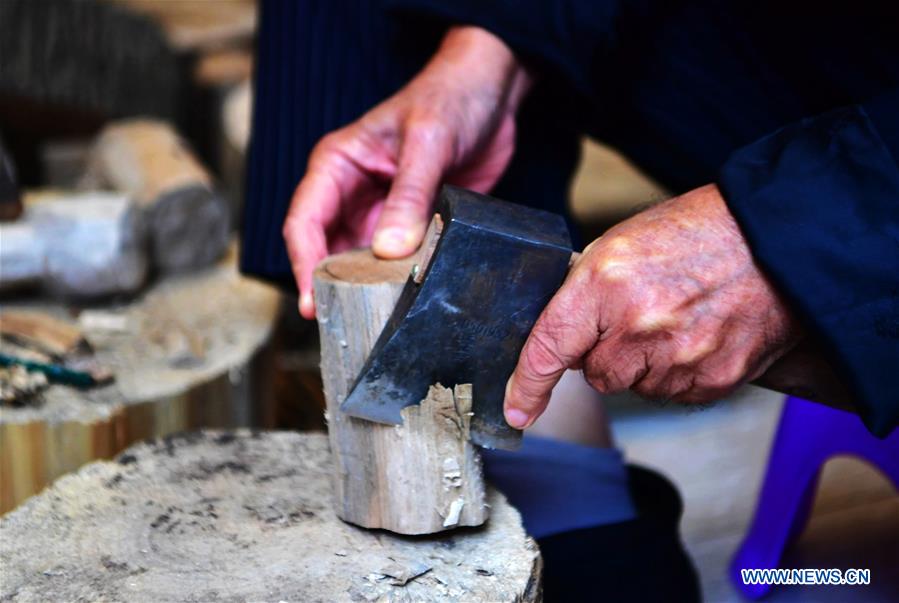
124	126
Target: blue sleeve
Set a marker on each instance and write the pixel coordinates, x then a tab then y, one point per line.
574	38
818	202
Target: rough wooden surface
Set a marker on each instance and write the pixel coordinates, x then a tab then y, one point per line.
161	386
417	478
239	516
188	220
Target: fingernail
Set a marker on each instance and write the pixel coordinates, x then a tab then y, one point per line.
516	418
306	304
393	240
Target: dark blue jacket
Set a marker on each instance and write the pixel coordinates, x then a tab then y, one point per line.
793	111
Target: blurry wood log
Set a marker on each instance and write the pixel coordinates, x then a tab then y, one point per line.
421	477
224	67
161	385
76	245
88	55
196	25
241	516
188	220
41	331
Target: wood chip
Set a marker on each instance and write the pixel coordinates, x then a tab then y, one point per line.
103	321
401	574
452	516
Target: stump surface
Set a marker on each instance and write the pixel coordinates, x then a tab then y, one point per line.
186	357
240	516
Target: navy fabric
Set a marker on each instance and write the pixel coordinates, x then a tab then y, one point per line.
642	559
321	65
694	84
547	475
819	203
790	108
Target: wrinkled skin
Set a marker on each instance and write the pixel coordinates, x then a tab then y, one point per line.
375	180
668	304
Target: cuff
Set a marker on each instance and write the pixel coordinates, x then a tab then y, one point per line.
817	203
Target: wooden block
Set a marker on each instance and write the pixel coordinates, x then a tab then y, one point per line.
42	331
241	516
417	478
86	244
189	222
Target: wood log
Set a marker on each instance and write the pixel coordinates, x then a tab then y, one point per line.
89	55
75	245
42	332
241	516
161	385
198	25
189	222
421	477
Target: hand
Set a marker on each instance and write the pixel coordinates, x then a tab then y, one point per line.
668	303
374	181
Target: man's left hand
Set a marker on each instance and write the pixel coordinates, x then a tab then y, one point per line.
669	304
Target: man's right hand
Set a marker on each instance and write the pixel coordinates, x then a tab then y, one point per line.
374	181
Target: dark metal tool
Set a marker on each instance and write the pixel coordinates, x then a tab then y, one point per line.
466	311
58	373
485	272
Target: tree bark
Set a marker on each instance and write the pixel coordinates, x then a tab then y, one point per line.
421	477
241	516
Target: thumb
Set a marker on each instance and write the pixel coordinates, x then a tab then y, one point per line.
404	218
561	336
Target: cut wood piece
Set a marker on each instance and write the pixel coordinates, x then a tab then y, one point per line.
241	516
42	331
76	245
188	220
154	393
417	478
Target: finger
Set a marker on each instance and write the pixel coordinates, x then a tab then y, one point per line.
332	177
404	218
565	331
304	233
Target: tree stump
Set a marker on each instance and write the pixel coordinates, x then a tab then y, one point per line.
421	477
241	516
189	353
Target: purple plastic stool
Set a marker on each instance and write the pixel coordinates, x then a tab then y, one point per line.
808	435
